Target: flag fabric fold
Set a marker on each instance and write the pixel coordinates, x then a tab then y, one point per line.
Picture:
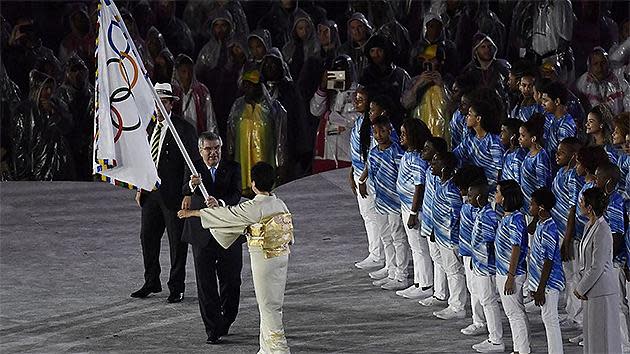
125	105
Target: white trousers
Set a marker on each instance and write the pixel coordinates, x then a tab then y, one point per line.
572	276
440	286
395	246
367	208
515	312
485	288
549	314
624	314
422	265
270	278
477	310
455	277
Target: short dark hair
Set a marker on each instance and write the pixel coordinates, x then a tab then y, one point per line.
596	199
469	175
611	171
572	142
208	136
417	133
544	197
512	124
439	144
556	90
448	159
512	195
382	121
264	176
592	157
535	126
489	120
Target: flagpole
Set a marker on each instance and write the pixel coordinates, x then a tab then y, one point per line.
160	106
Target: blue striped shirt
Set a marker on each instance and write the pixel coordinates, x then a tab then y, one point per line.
383	171
355	145
523	113
458	128
512	162
581	220
426	228
512	231
545	246
467	216
556	129
565	188
613	154
446	208
614	217
483	235
623	162
411	173
486	153
627	242
535	173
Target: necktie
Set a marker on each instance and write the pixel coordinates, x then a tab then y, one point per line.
213	172
155	142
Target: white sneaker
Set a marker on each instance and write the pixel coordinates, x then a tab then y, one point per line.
395	285
379	274
415	292
381	282
432	301
474	329
581	344
577	339
448	313
369	262
488	347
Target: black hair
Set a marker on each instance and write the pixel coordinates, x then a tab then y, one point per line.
365	131
605	118
439	144
468	175
535	126
448	159
490	121
611	171
556	90
622	121
482	188
264	176
512	124
541	84
545	198
513	199
591	157
385	102
382	121
417	133
572	142
596	199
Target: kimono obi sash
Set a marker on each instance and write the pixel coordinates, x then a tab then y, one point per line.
273	234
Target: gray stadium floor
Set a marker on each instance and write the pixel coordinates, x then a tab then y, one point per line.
70	256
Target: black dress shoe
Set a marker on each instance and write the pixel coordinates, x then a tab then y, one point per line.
175	297
213	339
146	291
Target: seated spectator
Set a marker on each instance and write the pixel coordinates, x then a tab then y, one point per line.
39	128
359	31
600	85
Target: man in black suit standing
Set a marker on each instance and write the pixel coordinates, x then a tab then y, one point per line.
222	180
160	206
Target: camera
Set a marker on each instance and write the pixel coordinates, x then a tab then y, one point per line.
336	80
428	67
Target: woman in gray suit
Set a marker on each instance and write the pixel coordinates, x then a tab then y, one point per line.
598	286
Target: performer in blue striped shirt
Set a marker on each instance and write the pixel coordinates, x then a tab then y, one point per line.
410	187
457	124
433	146
599	129
565	188
528	106
514	153
588	159
382	169
510	247
446	209
536	168
546	278
559	123
484	148
466	176
621	130
483	235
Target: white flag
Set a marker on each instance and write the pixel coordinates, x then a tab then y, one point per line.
125	105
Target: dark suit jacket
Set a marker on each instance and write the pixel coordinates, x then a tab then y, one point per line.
227	187
172	166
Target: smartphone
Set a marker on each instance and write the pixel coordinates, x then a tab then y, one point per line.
336	80
428	67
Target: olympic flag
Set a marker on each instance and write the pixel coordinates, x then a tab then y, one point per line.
125	104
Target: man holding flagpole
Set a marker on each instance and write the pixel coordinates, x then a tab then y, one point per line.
160	206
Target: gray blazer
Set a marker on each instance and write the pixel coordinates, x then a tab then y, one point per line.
595	257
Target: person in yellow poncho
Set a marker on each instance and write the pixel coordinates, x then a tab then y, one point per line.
427	96
257	128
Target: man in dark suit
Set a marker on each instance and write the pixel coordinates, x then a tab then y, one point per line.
222	180
160	206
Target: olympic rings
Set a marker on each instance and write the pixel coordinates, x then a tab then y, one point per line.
110	39
119	124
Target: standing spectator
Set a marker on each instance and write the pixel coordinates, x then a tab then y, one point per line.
77	94
81	39
359	31
164	65
600	85
214	54
591	28
39	130
302	43
177	34
278	20
485	69
155	44
382	16
195	103
199	14
433	33
259	44
552	33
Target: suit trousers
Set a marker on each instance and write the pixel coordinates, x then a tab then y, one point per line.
270	278
367	208
515	312
601	325
624	314
218	307
156	217
422	266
